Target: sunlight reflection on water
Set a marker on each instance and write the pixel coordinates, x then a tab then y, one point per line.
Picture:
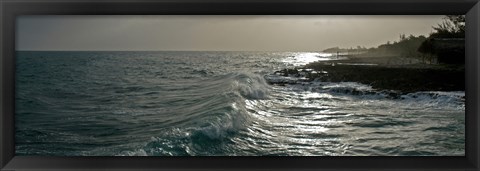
299	59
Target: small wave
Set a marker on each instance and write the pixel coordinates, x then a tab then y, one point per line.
438	95
380	124
359	90
352	89
437	99
203	72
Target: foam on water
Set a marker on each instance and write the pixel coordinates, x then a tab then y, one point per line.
218	103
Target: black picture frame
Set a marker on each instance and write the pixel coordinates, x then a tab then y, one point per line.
10	9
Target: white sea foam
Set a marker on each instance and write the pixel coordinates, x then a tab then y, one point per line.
218	103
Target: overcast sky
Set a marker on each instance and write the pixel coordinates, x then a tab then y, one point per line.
224	33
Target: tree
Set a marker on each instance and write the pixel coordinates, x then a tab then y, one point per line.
453	26
402	37
446	43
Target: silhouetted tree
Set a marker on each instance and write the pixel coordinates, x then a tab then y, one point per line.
447	42
453	26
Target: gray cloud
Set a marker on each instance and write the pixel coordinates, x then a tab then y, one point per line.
251	33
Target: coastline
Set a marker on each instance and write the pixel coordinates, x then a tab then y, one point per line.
386	73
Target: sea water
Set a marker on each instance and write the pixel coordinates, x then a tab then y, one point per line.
217	104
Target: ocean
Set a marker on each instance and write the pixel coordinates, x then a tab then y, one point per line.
177	103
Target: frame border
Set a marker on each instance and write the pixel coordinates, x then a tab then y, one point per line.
10	9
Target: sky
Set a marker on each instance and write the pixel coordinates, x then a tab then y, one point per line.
215	33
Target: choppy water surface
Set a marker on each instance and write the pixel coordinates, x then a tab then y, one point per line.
217	103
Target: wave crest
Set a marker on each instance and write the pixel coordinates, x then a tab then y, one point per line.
250	86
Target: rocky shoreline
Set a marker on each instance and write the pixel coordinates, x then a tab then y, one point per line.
405	78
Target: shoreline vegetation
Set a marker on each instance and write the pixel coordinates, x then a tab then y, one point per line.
411	64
